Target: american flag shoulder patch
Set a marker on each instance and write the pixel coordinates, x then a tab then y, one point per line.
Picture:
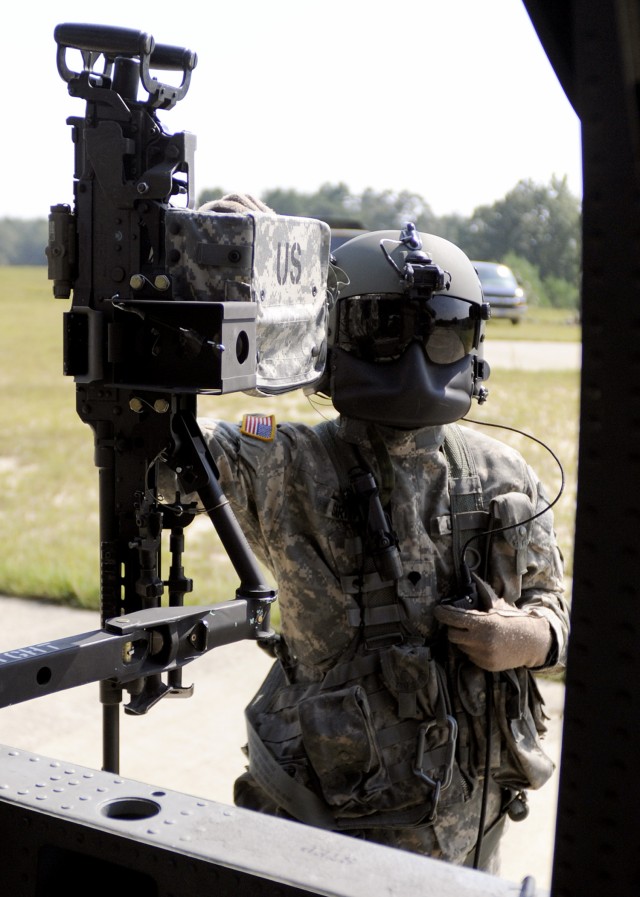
259	426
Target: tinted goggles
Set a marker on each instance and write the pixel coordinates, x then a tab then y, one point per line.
380	327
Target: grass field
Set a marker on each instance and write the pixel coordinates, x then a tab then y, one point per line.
49	537
549	324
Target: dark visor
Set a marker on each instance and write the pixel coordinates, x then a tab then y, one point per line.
381	327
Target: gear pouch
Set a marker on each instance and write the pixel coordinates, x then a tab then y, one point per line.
518	707
518	760
340	741
411	676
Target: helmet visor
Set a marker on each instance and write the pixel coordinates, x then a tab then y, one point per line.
381	327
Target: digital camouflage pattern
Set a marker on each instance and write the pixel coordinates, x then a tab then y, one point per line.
287	497
217	257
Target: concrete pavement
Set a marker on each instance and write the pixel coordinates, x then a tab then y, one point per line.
525	355
194	745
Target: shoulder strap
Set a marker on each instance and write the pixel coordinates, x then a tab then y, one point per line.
378	615
468	515
461	461
326	432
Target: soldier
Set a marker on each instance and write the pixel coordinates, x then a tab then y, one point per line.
419	579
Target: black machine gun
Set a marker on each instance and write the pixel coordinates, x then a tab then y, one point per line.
168	303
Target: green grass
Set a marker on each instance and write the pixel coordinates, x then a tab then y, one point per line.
554	324
49	536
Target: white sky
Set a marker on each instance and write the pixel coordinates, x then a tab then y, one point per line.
452	99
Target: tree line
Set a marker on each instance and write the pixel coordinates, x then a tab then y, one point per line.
535	229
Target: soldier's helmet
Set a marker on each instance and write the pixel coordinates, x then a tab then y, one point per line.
406	331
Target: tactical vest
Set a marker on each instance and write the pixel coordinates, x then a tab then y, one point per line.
400	727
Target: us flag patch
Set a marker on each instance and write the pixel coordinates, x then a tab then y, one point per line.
259	426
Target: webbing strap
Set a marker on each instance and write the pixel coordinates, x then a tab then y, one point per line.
465	493
468	518
379	616
467	487
299	802
385	464
326	431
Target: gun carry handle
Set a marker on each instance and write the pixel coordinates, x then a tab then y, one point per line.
111	42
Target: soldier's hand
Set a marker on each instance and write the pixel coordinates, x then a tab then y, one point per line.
502	637
238	203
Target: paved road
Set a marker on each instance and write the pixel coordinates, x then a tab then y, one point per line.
533	356
194	745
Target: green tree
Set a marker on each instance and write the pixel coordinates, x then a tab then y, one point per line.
454	227
330	201
528	277
561	293
537	222
388	209
372	210
22	242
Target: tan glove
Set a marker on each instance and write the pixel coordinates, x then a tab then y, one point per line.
238	203
502	637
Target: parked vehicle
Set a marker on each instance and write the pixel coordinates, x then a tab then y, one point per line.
343	229
502	291
340	235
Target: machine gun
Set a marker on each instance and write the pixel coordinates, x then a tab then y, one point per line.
168	303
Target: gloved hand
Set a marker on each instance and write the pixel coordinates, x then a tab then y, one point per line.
238	203
502	637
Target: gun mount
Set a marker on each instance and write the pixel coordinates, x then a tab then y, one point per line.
167	303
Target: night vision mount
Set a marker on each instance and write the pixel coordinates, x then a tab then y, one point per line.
420	274
168	303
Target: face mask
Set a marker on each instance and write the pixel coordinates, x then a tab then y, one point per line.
408	392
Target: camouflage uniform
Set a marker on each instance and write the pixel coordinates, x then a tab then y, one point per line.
288	498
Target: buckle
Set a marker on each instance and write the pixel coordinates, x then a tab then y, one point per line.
382	641
446	764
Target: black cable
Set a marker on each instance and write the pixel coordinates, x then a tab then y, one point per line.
489	678
487	770
502	529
